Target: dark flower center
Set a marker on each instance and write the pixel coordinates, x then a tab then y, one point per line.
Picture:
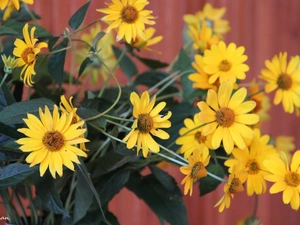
145	123
53	140
129	14
28	55
198	171
284	81
253	167
235	186
225	117
292	179
225	65
199	137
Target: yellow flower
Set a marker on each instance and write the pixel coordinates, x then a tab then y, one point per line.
10	6
191	137
200	78
212	17
262	102
27	51
9	63
129	17
227	117
196	168
225	63
234	185
285	78
285	144
103	53
252	159
286	178
139	43
202	37
147	121
50	141
68	108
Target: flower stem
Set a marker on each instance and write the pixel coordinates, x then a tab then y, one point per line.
170	159
34	216
102	146
4	78
216	177
19	203
255	206
118	118
69	198
173	153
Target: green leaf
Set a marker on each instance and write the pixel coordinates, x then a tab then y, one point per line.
209	184
87	61
165	179
87	113
7	31
9	98
14	113
46	191
126	64
96	39
14	173
10	131
111	184
166	204
83	197
152	63
77	18
17	27
52	42
57	63
183	65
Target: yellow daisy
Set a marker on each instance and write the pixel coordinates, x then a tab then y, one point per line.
129	17
147	121
285	144
227	117
27	51
139	43
286	178
225	63
212	17
200	78
285	78
11	5
191	137
252	159
196	168
234	185
202	37
262	102
68	108
50	141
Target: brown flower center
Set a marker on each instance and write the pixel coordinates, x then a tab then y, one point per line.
284	81
199	137
74	120
145	123
198	171
258	105
53	140
225	117
28	55
253	167
292	179
225	65
129	14
235	186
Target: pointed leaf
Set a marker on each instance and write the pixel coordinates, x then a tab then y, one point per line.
209	184
152	63
57	63
77	18
87	61
14	173
14	113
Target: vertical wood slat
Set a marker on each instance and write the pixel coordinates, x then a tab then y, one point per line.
265	28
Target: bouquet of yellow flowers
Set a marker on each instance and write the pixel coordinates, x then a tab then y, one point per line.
69	153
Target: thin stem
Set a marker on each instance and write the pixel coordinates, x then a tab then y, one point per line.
116	101
4	78
160	98
58	50
100	149
31	14
29	92
79	40
119	59
34	216
10	209
72	68
255	206
69	198
252	84
20	206
261	90
117	124
221	157
162	81
170	159
216	177
118	118
173	153
86	26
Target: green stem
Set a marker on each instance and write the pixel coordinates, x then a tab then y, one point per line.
31	14
173	153
116	101
120	125
102	146
79	40
173	75
261	90
216	177
160	98
170	159
72	188
118	118
4	78
221	157
86	26
20	206
10	209
252	84
255	206
34	216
